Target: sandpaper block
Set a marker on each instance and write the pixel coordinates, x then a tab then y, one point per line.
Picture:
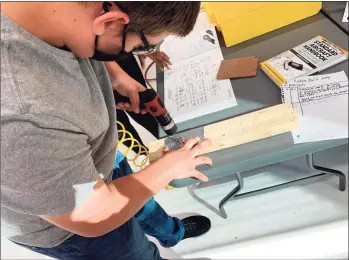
238	68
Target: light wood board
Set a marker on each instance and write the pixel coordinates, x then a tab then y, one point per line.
243	129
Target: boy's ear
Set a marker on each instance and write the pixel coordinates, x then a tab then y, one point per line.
111	18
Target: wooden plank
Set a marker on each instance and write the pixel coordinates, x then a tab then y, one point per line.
243	129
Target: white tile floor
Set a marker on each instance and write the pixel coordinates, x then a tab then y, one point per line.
274	215
301	222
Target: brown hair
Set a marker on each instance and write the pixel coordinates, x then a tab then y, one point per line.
156	17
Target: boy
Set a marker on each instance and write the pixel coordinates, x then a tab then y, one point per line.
59	195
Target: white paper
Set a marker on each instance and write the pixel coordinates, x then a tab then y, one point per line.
321	103
190	87
202	38
346	14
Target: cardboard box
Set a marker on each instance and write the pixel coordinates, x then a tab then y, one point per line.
242	21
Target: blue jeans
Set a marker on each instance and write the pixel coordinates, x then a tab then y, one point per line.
129	240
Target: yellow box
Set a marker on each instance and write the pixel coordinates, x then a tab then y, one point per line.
241	21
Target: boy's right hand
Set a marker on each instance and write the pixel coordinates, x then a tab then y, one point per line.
181	163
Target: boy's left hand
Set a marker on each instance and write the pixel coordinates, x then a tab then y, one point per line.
160	58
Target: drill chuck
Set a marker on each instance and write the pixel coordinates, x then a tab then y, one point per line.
151	101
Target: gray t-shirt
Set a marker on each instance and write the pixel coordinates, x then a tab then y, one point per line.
58	133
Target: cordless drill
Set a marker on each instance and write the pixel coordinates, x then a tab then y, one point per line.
151	101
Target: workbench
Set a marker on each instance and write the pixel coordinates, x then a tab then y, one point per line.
260	92
335	11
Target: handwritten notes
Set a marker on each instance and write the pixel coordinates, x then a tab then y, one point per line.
191	88
321	103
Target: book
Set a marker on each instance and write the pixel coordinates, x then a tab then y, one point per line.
191	89
305	59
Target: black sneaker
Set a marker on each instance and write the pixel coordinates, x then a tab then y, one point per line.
196	226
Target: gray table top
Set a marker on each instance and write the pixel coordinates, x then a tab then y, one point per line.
335	10
260	92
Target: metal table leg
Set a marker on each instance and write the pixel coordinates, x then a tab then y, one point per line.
235	193
221	211
231	195
340	175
